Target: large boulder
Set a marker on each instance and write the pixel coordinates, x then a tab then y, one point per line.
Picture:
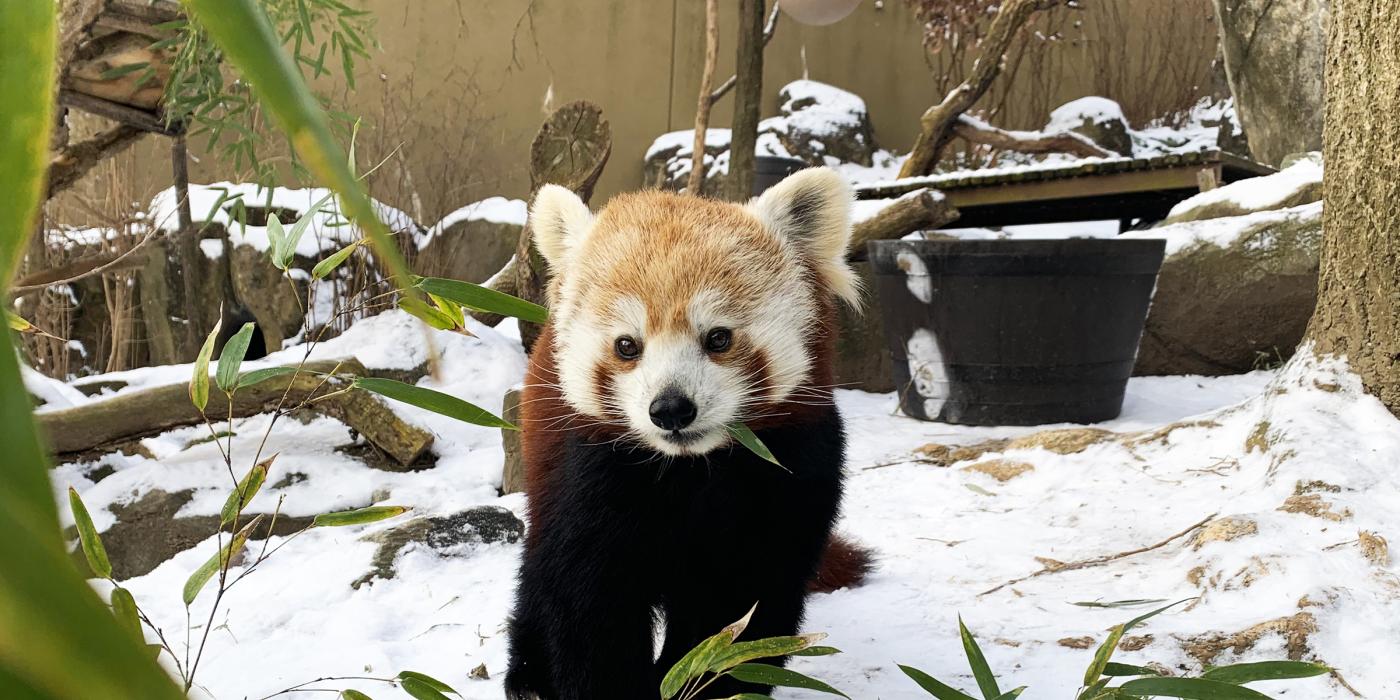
817	123
447	535
1275	54
1234	293
472	243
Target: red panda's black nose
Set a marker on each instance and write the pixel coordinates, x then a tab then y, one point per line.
672	411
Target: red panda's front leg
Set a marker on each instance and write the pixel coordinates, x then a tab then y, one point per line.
582	626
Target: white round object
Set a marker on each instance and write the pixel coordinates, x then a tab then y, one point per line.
818	12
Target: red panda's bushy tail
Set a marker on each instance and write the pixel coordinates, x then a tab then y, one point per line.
844	564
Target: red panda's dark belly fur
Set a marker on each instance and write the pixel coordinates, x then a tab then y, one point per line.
618	534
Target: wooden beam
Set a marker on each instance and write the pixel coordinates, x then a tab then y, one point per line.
122	114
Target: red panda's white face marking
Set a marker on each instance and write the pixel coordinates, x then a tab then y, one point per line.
675	316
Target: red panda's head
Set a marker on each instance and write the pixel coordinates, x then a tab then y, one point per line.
674	316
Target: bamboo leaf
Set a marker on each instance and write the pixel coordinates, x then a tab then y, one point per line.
817	651
119	71
702	656
259	376
1011	694
420	690
783	677
197	580
349	694
430	400
276	239
199	381
88	538
294	236
1265	671
762	648
430	315
17	322
747	438
1102	655
1115	669
1190	688
232	358
244	492
359	516
986	680
124	608
333	261
933	686
479	298
427	680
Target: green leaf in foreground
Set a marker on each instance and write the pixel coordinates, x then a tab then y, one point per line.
359	516
259	376
349	694
124	608
779	676
702	656
244	492
333	261
1105	650
933	686
431	315
479	298
288	249
816	651
197	580
1189	688
430	400
420	690
747	438
427	680
17	322
232	358
762	648
276	238
199	380
1114	668
1265	671
88	538
986	680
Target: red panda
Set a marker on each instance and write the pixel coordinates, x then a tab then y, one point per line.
671	318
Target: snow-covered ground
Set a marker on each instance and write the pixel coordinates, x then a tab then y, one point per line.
1244	446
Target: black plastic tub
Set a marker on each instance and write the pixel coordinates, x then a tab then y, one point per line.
1014	332
770	170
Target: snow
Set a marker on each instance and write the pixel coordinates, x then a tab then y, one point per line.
497	210
944	535
1258	193
327	232
1071	115
1224	231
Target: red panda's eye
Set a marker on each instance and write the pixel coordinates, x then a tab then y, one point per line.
718	340
627	348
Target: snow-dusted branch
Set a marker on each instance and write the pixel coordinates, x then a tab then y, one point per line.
977	131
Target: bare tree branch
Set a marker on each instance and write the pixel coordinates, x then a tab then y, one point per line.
917	210
73	162
978	131
937	122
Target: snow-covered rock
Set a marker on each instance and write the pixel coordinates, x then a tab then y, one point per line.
1299	183
473	242
1099	119
1233	293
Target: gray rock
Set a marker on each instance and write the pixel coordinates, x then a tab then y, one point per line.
147	533
819	120
1275	55
468	248
475	526
1099	119
1224	310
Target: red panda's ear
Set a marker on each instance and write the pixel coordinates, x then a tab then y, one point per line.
811	209
559	221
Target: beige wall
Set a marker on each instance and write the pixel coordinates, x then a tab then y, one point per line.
460	86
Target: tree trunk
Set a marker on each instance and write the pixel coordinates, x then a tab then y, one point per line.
1358	305
702	108
748	93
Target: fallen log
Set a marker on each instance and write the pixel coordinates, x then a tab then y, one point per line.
137	414
920	209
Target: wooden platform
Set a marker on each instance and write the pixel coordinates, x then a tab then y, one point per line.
1125	189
